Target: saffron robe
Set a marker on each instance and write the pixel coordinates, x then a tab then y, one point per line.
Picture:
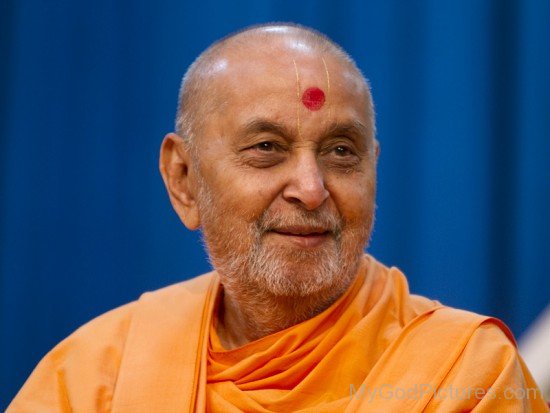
377	348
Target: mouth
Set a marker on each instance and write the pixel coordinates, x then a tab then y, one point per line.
305	237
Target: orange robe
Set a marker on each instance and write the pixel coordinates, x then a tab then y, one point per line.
378	348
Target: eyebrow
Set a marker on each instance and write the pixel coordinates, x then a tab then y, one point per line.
262	125
353	127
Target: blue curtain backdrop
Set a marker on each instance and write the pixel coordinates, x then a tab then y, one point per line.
88	90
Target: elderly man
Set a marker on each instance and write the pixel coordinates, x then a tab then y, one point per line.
275	160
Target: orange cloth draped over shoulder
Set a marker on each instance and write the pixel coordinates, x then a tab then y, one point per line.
378	348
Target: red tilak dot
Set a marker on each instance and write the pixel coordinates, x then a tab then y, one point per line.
313	98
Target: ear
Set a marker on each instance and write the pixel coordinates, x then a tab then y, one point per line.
175	167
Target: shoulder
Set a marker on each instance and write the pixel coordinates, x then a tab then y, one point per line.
488	373
108	332
412	306
449	327
83	368
442	326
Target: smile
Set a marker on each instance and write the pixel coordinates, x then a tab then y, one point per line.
302	236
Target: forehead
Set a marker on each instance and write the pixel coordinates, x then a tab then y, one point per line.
281	82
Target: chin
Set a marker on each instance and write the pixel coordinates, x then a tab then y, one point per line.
300	273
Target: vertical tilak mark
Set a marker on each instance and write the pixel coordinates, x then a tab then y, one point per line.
297	98
328	88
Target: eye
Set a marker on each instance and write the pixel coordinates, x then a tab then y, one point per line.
342	150
264	154
265	146
341	156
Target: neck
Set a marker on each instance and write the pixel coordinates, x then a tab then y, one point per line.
247	315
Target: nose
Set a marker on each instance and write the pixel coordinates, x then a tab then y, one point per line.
306	184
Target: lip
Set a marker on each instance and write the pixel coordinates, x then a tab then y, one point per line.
303	237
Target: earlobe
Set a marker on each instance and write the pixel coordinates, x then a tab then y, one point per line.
175	168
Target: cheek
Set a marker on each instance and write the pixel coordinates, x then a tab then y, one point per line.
354	198
246	196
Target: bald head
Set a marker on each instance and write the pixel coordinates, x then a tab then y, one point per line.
200	94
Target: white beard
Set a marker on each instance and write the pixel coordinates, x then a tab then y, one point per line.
243	257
